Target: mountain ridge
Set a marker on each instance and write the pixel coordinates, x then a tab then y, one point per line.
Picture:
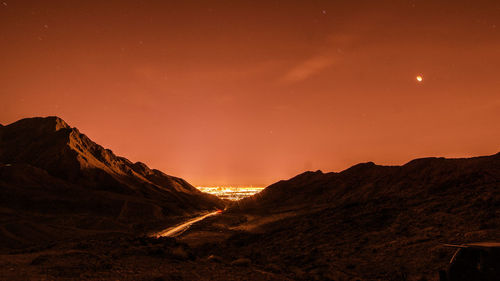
70	166
373	173
370	222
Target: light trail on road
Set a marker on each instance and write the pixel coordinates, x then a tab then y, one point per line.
179	229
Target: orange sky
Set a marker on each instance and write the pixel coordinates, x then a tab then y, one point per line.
250	92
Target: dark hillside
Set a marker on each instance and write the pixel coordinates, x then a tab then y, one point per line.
55	182
372	222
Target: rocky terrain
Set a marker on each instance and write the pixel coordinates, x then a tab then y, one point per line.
56	183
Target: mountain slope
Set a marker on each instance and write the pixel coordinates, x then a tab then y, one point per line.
371	222
55	182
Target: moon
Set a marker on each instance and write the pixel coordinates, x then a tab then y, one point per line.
419	78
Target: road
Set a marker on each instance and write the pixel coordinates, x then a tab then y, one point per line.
179	229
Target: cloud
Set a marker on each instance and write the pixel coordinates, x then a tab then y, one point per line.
309	67
331	52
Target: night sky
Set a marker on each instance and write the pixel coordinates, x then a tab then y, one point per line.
251	92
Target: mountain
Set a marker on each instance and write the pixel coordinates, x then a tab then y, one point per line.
55	183
427	178
368	222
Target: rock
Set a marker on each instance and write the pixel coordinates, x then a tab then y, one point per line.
214	258
39	260
297	271
241	262
180	253
273	268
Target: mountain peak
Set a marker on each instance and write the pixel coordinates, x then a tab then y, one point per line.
41	124
58	122
359	168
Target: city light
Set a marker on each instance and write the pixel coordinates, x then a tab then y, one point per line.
230	192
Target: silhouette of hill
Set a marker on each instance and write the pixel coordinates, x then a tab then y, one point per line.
427	178
55	182
368	222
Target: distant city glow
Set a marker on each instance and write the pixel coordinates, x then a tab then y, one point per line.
230	192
